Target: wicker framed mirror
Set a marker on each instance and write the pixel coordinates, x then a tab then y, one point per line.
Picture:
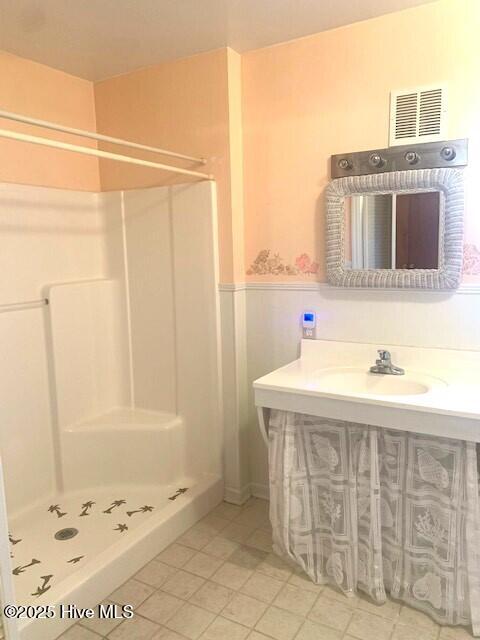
398	229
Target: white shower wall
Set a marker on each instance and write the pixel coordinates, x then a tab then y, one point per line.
47	236
170	256
97	345
149	255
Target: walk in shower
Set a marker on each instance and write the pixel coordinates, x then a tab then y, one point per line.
110	385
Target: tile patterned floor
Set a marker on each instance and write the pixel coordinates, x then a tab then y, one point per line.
220	581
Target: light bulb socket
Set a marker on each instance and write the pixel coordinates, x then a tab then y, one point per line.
412	157
376	160
344	164
448	153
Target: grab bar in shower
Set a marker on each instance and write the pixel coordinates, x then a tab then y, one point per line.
20	306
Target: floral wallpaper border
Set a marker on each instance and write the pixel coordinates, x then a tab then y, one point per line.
471	260
269	263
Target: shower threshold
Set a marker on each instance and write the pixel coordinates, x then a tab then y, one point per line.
80	546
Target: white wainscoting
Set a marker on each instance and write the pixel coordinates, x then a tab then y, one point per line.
272	326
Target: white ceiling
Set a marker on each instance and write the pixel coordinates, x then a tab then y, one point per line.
96	39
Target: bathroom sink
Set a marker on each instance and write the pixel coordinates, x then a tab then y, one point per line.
344	380
439	394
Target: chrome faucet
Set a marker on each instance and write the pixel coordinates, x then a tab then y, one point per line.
384	365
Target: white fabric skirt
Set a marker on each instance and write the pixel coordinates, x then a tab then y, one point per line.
379	511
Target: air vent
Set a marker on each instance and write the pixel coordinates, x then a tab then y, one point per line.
418	115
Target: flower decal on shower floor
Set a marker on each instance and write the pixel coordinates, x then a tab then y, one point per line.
267	263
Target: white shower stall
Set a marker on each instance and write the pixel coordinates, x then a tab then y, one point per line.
110	406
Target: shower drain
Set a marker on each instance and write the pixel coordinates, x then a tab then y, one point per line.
66	534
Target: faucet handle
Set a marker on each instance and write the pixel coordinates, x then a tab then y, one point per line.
384	355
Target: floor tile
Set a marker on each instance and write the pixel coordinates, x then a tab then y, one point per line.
260	539
237	532
223	629
295	600
182	584
304	582
330	613
280	624
389	610
251	517
167	634
415	618
197	537
190	621
221	548
348	600
224	567
366	626
136	628
455	633
408	632
227	510
267	526
244	610
247	557
102	626
176	555
154	573
262	587
132	592
212	596
254	501
254	513
312	631
216	523
160	607
231	576
275	567
203	565
79	633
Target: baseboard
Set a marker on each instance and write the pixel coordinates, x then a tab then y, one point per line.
237	496
260	490
240	496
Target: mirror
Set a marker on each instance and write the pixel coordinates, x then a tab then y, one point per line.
396	229
392	230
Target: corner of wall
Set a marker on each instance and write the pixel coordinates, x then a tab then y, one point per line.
235	135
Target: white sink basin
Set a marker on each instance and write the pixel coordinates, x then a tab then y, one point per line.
348	380
438	395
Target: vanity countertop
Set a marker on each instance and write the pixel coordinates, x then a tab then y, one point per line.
439	394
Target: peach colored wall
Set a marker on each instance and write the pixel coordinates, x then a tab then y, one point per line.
181	105
329	93
41	92
297	103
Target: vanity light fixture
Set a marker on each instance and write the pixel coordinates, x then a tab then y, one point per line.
426	155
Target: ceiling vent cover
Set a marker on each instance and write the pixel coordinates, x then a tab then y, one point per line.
418	115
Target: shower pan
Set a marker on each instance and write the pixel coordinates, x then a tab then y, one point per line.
111	417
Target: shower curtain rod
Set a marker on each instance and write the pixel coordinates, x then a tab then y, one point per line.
17	117
56	144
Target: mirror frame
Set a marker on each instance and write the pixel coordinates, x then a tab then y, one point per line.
450	260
